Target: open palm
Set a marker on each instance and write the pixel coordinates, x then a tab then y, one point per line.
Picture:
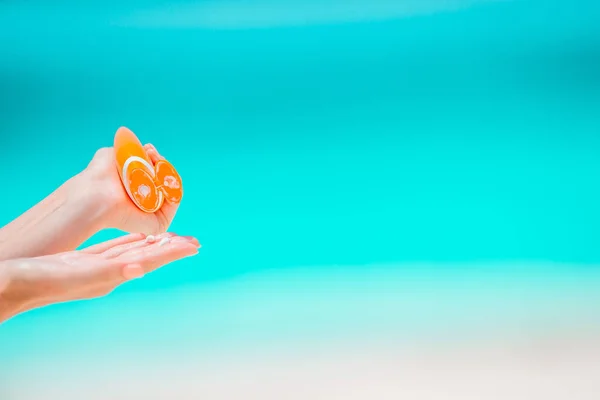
97	270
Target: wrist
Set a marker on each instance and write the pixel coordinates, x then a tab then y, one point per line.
87	195
15	296
61	222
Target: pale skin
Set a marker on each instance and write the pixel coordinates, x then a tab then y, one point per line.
39	263
92	200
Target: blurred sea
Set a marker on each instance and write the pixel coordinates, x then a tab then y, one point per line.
357	171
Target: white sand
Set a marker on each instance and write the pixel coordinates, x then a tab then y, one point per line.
545	369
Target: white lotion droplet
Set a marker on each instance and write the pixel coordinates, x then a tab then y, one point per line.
150	239
163	241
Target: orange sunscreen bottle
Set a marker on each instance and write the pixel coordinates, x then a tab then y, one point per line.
147	183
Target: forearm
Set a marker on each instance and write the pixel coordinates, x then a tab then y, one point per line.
21	288
60	222
13	299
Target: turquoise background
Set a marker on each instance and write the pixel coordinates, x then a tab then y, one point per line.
365	172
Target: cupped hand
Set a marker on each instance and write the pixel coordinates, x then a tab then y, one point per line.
102	177
94	271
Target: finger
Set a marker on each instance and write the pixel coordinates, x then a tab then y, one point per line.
132	271
109	244
153	156
90	271
167	212
157	255
106	273
149	146
192	240
153	153
147	241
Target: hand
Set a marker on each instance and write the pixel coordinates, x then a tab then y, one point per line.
92	272
122	214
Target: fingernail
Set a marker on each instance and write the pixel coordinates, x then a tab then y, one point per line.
191	239
165	235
